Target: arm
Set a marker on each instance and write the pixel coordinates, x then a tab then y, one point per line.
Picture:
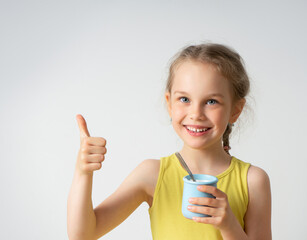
81	219
84	222
134	190
257	219
258	216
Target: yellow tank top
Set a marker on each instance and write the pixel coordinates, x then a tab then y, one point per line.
167	221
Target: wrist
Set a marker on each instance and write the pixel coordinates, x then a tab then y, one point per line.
233	232
83	175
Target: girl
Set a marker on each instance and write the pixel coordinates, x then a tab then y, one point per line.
205	95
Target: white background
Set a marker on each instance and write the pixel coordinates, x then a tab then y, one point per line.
108	61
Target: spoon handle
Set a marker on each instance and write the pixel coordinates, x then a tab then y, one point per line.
185	166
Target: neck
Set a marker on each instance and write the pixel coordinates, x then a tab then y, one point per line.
213	160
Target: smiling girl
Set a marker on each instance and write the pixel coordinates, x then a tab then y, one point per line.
205	95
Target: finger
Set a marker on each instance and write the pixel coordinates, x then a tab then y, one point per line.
95	158
82	126
203	210
206	220
92	167
212	190
96	141
212	202
95	150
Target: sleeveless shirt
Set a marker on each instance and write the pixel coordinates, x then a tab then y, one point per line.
166	219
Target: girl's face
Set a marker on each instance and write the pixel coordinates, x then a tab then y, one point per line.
200	105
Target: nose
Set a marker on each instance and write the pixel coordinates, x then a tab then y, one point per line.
196	112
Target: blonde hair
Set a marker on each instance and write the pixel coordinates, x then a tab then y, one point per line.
226	60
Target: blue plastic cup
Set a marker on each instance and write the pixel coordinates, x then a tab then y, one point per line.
190	190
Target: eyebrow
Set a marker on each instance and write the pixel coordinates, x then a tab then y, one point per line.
211	95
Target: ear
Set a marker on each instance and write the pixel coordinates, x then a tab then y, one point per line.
236	110
168	102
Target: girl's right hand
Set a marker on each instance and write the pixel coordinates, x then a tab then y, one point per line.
92	149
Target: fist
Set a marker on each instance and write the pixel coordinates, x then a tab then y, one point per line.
92	149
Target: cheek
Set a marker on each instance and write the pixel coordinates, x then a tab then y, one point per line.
220	116
177	113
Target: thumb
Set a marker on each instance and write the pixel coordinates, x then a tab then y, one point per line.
82	126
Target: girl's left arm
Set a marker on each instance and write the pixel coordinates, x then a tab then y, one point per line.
257	219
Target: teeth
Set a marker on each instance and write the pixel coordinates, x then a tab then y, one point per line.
196	129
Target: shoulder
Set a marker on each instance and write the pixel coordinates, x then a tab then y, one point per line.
148	173
143	174
259	190
258	215
258	182
148	167
257	177
150	163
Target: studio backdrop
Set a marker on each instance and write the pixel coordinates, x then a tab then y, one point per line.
108	60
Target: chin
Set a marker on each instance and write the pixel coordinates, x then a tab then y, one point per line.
196	146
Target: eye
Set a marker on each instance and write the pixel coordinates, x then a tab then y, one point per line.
211	102
184	99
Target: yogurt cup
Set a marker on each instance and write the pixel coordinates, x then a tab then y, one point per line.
190	190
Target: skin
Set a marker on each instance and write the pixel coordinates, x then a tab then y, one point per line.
196	106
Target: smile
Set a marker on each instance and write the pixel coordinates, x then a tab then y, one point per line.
197	131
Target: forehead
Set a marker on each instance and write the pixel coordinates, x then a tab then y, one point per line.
199	78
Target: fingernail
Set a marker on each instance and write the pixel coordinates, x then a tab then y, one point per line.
199	187
189	207
191	200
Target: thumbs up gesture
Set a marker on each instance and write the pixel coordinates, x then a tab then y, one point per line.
92	149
